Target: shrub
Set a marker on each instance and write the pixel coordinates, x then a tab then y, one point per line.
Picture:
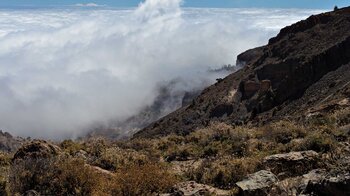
224	172
5	159
55	176
146	179
114	158
96	146
281	132
71	147
319	142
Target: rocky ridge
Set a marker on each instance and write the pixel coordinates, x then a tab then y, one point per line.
301	70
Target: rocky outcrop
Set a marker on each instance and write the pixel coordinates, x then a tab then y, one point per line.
296	185
36	150
316	182
334	183
249	56
257	184
286	77
292	164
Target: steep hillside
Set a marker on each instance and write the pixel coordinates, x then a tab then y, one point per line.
303	70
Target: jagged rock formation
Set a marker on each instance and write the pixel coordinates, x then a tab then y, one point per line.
303	70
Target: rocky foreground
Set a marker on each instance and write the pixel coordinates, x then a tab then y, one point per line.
278	126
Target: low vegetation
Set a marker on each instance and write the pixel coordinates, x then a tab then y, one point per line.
219	155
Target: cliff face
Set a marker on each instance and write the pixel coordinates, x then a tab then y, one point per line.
302	71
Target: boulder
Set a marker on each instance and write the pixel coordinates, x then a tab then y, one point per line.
316	182
296	185
334	183
292	164
257	184
37	149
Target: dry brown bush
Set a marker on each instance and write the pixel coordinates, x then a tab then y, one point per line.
146	179
115	158
71	146
55	176
224	172
281	132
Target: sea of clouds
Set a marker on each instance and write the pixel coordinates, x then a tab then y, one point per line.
64	69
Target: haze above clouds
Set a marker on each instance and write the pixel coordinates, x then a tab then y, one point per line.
62	70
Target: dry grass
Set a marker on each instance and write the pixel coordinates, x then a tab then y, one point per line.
146	179
55	176
225	154
225	171
115	158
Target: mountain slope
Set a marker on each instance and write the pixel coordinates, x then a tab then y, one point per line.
302	70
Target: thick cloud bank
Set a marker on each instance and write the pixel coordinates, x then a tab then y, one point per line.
62	70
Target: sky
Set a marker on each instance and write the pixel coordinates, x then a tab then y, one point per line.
314	4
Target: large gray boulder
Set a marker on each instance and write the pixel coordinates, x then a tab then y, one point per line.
292	164
258	183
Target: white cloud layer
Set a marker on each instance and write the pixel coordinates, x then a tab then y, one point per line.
61	70
88	5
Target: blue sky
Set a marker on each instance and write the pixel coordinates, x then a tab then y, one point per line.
322	4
